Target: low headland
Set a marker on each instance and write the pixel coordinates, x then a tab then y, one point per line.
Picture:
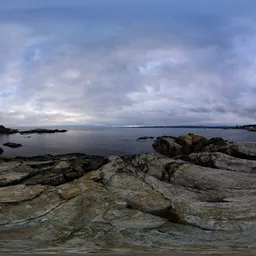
4	130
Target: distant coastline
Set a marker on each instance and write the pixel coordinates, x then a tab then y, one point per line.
183	126
249	127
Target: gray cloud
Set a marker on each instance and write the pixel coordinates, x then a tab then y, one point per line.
80	71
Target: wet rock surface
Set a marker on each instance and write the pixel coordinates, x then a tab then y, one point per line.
146	202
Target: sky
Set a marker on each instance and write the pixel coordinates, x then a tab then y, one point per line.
127	62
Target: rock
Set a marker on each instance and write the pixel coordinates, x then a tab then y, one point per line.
47	170
145	138
246	150
126	181
167	146
221	161
145	202
20	193
190	143
4	130
12	145
42	131
196	138
214	144
1	151
225	198
59	212
181	192
186	142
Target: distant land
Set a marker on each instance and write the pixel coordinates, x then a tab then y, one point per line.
248	127
183	126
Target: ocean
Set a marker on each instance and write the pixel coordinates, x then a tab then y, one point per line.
106	141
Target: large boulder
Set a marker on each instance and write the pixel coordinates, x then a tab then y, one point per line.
167	146
190	143
186	141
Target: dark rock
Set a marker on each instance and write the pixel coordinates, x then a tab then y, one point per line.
186	142
167	146
1	151
12	145
4	130
190	143
214	145
145	138
49	170
42	131
199	145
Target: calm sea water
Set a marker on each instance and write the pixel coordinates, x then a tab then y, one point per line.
105	141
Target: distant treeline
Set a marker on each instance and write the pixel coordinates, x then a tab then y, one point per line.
249	127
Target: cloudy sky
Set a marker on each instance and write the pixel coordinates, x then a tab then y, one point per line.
120	62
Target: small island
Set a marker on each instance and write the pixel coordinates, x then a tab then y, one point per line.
12	145
7	131
145	138
42	131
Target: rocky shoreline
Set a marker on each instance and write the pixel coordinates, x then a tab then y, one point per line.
193	193
7	131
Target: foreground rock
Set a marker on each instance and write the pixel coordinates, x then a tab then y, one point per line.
221	161
42	131
12	145
4	130
184	193
246	150
140	202
47	170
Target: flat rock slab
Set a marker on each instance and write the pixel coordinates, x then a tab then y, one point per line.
47	170
134	202
246	150
221	161
20	193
